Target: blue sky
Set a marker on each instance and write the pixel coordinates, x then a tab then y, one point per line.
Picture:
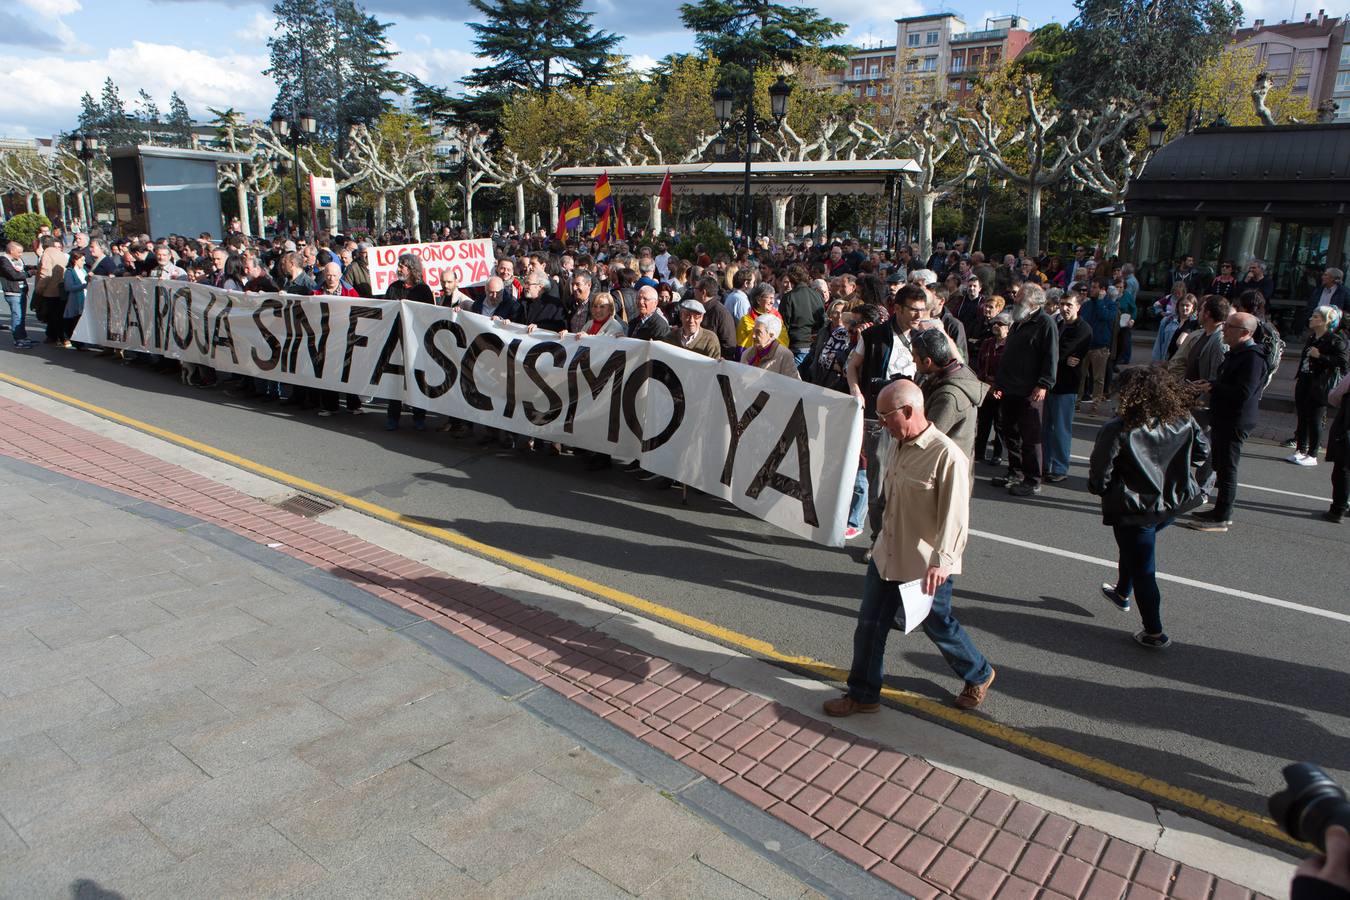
213	51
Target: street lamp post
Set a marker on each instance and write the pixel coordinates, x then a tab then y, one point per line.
86	147
279	169
983	193
723	109
299	128
454	153
1157	133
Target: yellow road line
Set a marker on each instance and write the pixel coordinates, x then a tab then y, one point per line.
1169	795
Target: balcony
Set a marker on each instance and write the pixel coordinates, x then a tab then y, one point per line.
977	37
864	76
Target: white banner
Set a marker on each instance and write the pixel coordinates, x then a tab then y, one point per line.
471	261
778	448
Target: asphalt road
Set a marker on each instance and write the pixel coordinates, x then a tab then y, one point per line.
1246	687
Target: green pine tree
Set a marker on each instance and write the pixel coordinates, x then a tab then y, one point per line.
179	125
538	45
147	117
756	34
118	126
1139	50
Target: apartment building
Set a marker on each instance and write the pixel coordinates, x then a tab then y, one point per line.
923	48
869	75
974	53
935	56
1312	52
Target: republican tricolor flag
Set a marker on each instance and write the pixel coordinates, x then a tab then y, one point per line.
665	198
569	219
602	199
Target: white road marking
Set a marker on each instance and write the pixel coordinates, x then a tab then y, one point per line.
1254	487
1176	579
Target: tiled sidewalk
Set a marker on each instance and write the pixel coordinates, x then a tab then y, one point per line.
923	830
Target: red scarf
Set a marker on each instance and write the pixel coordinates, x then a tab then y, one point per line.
758	353
596	325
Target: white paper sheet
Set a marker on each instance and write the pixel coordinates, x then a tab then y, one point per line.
917	604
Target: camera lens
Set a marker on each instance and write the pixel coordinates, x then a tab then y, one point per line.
1310	804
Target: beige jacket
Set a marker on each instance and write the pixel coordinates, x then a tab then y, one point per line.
51	272
926	521
705	343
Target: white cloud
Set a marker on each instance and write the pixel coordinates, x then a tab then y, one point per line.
442	67
258	30
53	9
53	104
642	62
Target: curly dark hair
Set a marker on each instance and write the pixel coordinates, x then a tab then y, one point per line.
1151	393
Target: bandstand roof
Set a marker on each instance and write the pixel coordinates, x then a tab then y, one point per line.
767	179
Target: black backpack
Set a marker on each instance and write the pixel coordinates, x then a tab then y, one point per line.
1268	338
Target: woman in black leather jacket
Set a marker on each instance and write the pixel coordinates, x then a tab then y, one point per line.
1143	467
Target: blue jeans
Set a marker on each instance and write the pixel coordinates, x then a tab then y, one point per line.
858	508
1138	567
799	356
16	325
876	618
1057	432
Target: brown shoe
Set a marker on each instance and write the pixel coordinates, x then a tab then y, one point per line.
972	695
843	706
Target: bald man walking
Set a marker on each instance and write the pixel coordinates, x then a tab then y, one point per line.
924	527
1234	405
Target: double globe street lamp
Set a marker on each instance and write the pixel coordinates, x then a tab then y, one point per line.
724	101
86	148
299	128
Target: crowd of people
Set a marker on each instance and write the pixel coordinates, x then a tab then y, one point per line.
1000	355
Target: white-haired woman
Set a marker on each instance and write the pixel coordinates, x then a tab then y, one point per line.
765	350
1325	359
603	320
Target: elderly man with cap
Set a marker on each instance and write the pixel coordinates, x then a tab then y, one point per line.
691	335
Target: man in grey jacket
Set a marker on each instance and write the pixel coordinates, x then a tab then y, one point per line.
952	393
1199	357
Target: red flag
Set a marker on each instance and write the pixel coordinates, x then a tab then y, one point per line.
666	197
561	233
619	233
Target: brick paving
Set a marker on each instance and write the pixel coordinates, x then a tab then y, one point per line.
923	830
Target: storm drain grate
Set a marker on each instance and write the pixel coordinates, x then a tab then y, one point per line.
305	505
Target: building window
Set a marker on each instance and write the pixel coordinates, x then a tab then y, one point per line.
1345	55
958	62
857	71
911	65
930	63
1303	61
1342	81
871	90
909	87
886	90
874	70
1300	85
912	40
1279	62
975	59
931	38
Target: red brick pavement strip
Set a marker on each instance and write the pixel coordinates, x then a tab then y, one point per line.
925	831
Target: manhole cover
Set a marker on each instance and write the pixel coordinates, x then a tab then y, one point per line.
305	505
